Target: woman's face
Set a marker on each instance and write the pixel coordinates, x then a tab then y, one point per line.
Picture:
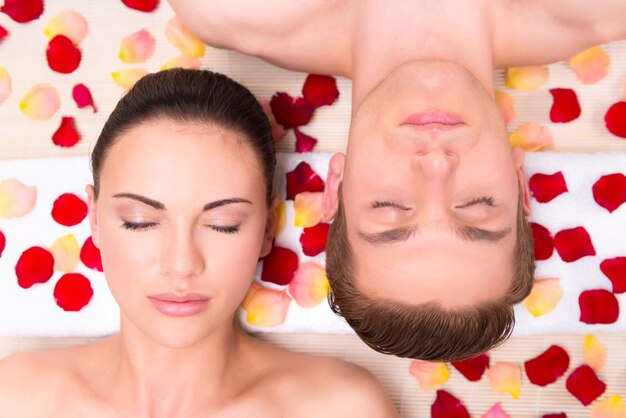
181	219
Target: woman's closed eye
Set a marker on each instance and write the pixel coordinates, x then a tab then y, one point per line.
225	229
143	226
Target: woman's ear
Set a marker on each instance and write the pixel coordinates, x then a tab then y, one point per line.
518	160
330	199
93	221
270	227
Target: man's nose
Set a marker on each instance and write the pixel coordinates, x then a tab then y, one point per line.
435	164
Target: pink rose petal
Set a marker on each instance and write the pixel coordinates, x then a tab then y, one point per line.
68	23
137	47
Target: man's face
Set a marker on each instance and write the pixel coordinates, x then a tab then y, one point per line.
430	189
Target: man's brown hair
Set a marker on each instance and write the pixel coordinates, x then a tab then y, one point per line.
426	331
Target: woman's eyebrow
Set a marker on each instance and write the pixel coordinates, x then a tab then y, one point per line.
160	206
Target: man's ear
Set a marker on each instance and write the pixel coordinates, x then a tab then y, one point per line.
93	221
518	160
270	227
330	200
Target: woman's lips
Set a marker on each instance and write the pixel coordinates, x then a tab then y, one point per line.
171	304
434	119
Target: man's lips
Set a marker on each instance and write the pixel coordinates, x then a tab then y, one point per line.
434	119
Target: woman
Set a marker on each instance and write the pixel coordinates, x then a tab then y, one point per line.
181	209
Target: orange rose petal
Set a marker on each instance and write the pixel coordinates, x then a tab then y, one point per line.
611	407
5	85
66	253
594	353
41	102
137	47
506	104
532	136
68	23
281	218
16	199
309	286
544	296
307	207
265	307
182	61
430	375
182	39
591	65
126	79
505	377
526	78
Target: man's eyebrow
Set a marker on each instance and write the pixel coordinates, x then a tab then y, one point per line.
402	233
471	233
160	206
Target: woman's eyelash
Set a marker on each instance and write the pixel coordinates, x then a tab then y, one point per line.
386	204
225	229
138	226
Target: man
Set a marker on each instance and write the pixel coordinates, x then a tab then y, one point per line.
429	247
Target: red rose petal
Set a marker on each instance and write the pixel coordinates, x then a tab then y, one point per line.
610	191
303	179
72	292
314	239
142	5
279	266
561	415
565	107
447	406
598	306
545	187
544	245
3	242
82	97
90	255
69	209
304	142
573	244
62	55
473	368
35	265
584	384
615	270
66	135
615	119
320	90
3	33
291	112
22	11
547	367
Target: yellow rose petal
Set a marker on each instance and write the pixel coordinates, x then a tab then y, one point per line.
126	79
591	65
40	102
544	296
182	61
66	253
265	307
5	85
182	39
307	208
16	199
532	136
430	375
309	286
137	47
68	23
281	218
506	104
594	353
611	407
505	377
526	78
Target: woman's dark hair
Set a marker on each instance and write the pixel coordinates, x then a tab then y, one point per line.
190	96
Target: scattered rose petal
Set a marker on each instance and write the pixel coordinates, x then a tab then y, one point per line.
430	375
66	135
82	97
447	406
473	368
304	142
505	377
22	11
69	209
182	61
545	187
615	119
594	353
611	407
610	191
303	179
584	384
142	5
182	39
560	415
35	265
526	78
137	47
41	102
309	286
532	136
591	65
320	90
615	270
5	85
127	78
573	244
66	252
3	242
290	112
506	104
547	367
598	307
544	244
3	33
90	255
314	239
544	296
496	411
279	266
265	307
278	132
280	220
16	199
72	292
68	23
307	209
565	106
63	57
